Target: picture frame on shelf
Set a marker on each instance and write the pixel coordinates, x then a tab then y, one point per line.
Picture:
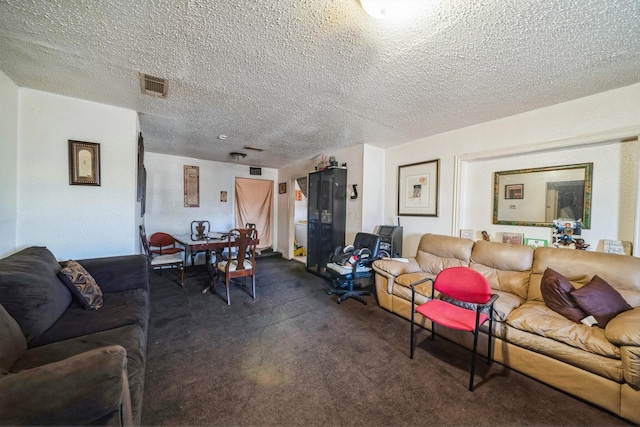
536	243
418	188
513	238
467	234
84	163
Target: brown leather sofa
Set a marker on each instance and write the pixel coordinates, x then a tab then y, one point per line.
601	366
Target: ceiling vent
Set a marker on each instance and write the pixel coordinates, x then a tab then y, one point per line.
154	86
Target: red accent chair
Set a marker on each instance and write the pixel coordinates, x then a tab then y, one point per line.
465	303
157	261
163	244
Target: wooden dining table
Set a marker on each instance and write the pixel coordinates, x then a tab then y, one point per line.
213	244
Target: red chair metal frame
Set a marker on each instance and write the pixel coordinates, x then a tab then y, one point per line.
464	285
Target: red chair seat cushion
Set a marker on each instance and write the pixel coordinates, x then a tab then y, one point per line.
167	251
450	315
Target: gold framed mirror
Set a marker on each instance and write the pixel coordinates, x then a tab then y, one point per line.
535	197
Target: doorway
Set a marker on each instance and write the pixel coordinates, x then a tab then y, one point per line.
299	243
254	205
565	199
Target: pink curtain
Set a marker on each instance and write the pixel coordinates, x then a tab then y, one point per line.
254	204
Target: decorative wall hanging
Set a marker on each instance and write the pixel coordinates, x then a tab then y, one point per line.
223	196
191	186
418	189
84	163
282	188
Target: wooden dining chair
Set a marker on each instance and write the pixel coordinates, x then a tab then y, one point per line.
164	244
241	263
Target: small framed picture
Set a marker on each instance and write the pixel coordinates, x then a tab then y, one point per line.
535	243
466	234
514	191
282	188
84	163
513	238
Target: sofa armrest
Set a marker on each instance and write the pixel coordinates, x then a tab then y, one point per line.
391	267
623	329
73	391
119	273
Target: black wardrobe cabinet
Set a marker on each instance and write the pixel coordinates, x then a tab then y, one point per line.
326	217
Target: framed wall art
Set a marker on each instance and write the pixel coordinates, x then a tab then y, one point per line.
282	188
191	186
418	189
514	191
84	163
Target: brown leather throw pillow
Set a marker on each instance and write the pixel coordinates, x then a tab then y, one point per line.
557	295
600	300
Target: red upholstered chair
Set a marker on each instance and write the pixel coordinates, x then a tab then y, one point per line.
465	303
163	244
157	261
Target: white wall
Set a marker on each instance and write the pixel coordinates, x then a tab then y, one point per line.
75	221
8	164
477	200
165	210
593	115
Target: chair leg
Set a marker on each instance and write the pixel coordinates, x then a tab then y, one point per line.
473	358
489	344
413	310
253	285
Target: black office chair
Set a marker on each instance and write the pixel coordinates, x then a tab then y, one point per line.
350	268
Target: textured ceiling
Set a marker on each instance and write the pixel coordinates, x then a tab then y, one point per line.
303	77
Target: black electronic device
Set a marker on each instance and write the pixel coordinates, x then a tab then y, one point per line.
390	240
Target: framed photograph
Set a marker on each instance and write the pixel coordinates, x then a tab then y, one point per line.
513	238
514	191
418	189
84	163
282	188
536	243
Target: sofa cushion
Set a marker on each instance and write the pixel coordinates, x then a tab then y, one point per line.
131	337
120	308
538	319
82	285
435	252
13	343
31	291
556	293
598	299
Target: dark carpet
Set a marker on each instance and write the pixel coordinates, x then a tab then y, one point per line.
295	357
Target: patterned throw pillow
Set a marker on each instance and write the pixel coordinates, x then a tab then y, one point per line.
83	287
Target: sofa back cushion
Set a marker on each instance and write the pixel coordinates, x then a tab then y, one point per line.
507	267
12	341
622	272
31	291
437	252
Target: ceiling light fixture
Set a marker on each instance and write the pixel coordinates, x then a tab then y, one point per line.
383	9
236	155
